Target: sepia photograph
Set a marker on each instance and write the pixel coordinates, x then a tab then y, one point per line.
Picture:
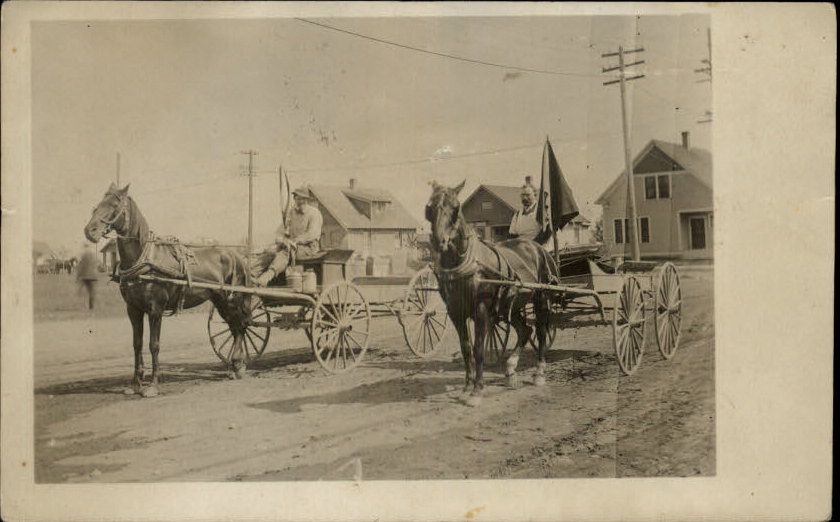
355	248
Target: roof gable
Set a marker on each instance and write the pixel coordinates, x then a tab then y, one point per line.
656	161
666	157
338	204
509	196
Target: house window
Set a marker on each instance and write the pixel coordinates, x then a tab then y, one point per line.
658	187
650	187
622	235
486	205
619	231
500	233
644	230
664	183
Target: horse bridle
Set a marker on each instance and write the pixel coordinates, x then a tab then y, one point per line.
121	211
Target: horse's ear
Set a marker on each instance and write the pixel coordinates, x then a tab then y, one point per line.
434	184
124	190
460	187
112	187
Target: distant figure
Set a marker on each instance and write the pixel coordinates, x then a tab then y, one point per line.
87	274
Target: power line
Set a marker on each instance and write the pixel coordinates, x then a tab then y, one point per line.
408	162
447	55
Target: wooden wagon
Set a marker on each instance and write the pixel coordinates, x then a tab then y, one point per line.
628	297
336	314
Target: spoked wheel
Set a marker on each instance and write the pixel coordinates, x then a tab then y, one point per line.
668	312
495	342
629	326
340	327
423	316
531	319
254	341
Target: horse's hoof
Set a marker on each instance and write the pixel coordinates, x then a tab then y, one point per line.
150	391
240	374
512	381
130	391
539	380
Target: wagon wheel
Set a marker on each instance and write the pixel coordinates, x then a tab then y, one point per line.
340	327
629	325
255	339
531	319
423	316
668	313
495	342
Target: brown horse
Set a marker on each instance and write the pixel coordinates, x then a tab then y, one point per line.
461	261
119	213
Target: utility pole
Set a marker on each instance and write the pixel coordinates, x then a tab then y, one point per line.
632	230
250	174
706	72
118	169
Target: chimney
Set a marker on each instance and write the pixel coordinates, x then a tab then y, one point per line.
685	142
352	183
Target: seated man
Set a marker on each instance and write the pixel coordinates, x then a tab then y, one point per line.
302	235
524	223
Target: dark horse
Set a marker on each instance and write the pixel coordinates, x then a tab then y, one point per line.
118	212
461	260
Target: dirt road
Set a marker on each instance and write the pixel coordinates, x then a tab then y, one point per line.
396	417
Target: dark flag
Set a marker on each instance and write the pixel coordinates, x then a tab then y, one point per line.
556	204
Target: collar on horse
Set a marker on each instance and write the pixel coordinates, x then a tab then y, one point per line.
470	264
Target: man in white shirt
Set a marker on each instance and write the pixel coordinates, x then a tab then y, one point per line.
524	223
302	235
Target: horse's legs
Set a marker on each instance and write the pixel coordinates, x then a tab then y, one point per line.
542	309
234	310
482	326
237	361
466	352
135	315
523	333
155	320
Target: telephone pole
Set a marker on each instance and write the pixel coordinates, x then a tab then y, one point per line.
250	174
706	72
118	169
632	230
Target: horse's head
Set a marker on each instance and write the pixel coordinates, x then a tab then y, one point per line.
110	214
443	212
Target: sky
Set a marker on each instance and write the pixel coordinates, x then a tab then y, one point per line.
180	100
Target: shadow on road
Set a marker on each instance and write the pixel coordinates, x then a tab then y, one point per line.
389	391
116	384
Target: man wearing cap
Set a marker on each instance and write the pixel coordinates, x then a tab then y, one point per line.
524	223
302	234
